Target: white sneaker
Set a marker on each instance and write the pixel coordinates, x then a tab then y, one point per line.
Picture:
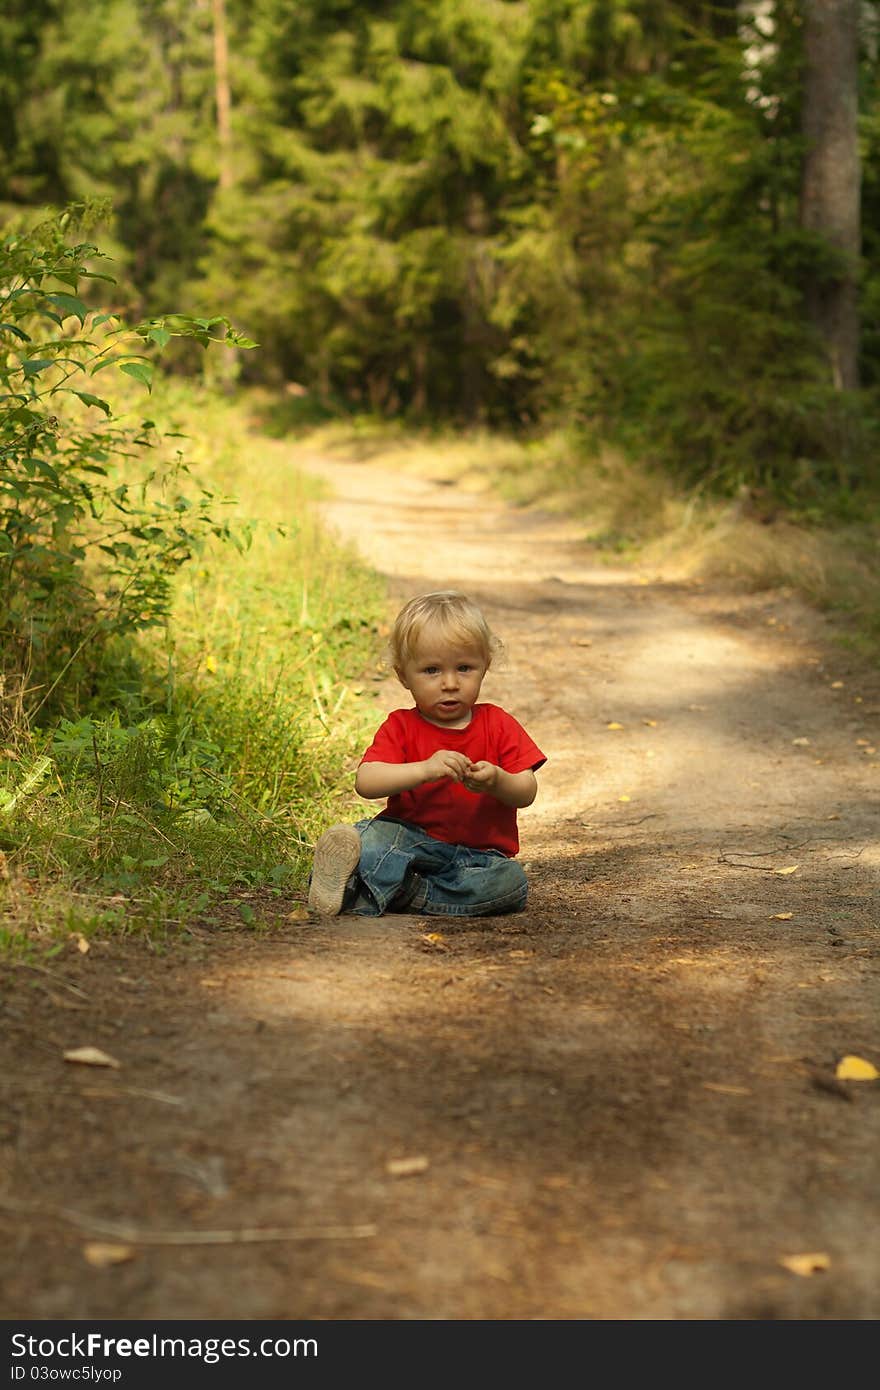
337	855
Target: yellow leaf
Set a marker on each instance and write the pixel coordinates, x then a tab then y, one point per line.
851	1068
102	1254
651	723
434	937
837	685
82	945
90	1057
211	664
801	742
781	917
805	1265
406	1167
623	798
299	914
614	725
791	869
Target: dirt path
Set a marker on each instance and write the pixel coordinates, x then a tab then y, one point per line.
620	1104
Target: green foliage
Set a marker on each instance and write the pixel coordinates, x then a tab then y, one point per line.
91	533
211	754
518	212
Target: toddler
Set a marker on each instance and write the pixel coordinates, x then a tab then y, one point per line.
454	773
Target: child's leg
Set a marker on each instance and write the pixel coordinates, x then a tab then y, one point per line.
383	864
389	853
471	883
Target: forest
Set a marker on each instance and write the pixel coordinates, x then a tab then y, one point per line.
655	219
650	225
309	306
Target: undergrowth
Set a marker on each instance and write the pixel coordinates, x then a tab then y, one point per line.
213	752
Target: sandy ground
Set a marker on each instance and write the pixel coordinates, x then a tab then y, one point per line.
621	1104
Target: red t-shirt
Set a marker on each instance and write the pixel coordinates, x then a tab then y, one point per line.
446	809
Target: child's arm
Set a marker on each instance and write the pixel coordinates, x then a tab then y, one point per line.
510	788
377	780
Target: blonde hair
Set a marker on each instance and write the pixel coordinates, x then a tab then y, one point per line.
453	616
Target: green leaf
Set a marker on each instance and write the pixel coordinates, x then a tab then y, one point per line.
88	399
13	328
160	336
141	371
32	366
69	305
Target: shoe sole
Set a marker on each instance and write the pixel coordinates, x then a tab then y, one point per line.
337	855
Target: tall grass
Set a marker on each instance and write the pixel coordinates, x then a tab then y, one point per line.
218	747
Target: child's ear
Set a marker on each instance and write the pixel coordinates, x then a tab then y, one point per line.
399	674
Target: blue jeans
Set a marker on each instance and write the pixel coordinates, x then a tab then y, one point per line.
403	868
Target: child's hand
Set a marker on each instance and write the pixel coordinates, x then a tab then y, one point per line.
481	777
446	763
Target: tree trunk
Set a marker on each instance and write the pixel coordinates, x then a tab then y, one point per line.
222	97
830	185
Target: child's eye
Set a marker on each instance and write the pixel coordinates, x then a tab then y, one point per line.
431	670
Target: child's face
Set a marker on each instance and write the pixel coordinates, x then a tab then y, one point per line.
444	680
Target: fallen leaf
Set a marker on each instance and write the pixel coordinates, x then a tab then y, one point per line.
433	941
805	1265
82	945
624	798
299	914
406	1167
651	723
837	685
791	869
90	1057
726	1090
863	742
102	1255
851	1068
801	742
781	917
614	725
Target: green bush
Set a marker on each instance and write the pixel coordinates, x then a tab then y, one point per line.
94	521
